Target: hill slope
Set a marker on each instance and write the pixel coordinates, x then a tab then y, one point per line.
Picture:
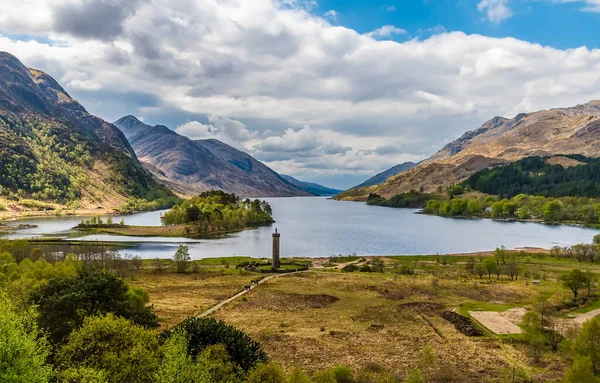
383	176
312	188
53	150
500	141
193	166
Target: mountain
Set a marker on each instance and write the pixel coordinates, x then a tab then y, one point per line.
381	177
499	141
312	188
53	151
193	166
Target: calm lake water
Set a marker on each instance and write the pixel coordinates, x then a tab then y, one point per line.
317	227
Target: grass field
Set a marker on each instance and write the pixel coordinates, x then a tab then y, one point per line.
377	321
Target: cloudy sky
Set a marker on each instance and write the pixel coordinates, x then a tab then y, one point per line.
326	90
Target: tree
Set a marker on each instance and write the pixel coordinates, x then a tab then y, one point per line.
587	343
533	333
136	262
192	213
574	281
23	351
182	258
123	351
581	371
490	266
552	211
63	303
159	265
589	282
205	332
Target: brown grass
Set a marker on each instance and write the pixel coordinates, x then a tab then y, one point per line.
374	320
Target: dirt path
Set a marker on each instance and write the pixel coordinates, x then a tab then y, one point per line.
582	318
243	292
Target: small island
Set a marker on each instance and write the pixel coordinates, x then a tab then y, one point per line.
211	213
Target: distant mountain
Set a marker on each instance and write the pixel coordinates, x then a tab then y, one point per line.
53	150
193	166
499	141
312	188
381	177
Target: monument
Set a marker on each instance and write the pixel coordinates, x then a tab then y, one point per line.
276	262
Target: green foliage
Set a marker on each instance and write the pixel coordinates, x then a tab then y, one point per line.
533	333
342	374
581	371
533	175
298	376
204	332
121	350
211	365
574	281
524	207
52	161
23	351
412	199
266	373
64	303
217	211
182	258
82	375
323	376
587	343
414	375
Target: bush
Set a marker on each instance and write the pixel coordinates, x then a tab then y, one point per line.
63	303
365	269
350	268
342	374
115	347
267	373
204	332
23	352
323	376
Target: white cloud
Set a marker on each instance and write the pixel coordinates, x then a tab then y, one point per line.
588	5
496	10
332	14
386	31
291	87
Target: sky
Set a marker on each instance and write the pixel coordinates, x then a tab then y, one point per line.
329	91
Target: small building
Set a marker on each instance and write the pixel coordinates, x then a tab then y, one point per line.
536	282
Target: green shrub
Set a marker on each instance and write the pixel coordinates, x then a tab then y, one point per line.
204	332
114	346
63	303
266	373
323	376
342	374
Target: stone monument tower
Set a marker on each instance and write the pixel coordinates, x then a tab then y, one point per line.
276	262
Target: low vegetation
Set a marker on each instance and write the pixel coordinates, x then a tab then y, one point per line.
93	316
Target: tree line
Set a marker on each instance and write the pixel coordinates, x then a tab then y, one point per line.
216	210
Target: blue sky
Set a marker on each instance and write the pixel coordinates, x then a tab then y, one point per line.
331	91
561	25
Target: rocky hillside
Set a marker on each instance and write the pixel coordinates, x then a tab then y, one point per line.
574	130
193	166
53	153
311	187
383	176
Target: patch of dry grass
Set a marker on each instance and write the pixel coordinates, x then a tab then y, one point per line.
176	297
373	320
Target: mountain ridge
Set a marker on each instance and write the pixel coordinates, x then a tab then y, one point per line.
384	175
311	187
194	166
53	150
499	141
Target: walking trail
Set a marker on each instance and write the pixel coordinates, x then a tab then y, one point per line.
243	292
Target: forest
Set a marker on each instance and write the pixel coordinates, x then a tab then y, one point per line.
536	176
52	162
216	210
412	199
